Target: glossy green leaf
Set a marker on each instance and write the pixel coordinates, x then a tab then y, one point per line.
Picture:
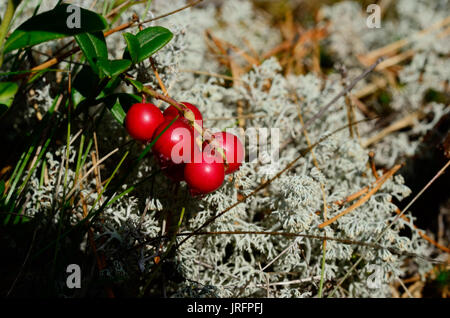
120	103
133	46
7	92
93	46
151	40
112	68
54	24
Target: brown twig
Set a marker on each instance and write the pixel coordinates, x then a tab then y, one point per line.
372	164
160	82
311	236
344	92
230	78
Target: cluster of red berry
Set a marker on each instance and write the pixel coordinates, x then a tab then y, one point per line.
182	155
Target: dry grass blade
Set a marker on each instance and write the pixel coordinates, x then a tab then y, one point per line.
376	84
404	122
394	60
230	78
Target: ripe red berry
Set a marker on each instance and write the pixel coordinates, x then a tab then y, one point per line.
171	112
176	144
141	121
232	147
206	176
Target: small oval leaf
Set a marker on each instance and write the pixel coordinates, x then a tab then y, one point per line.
93	46
151	40
133	46
112	68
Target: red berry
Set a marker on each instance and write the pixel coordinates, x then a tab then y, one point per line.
176	144
232	147
142	120
171	112
206	176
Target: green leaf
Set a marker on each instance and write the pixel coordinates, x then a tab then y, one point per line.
133	46
7	92
120	103
93	46
151	40
112	68
54	24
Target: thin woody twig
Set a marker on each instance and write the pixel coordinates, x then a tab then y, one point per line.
344	92
155	71
317	237
296	281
